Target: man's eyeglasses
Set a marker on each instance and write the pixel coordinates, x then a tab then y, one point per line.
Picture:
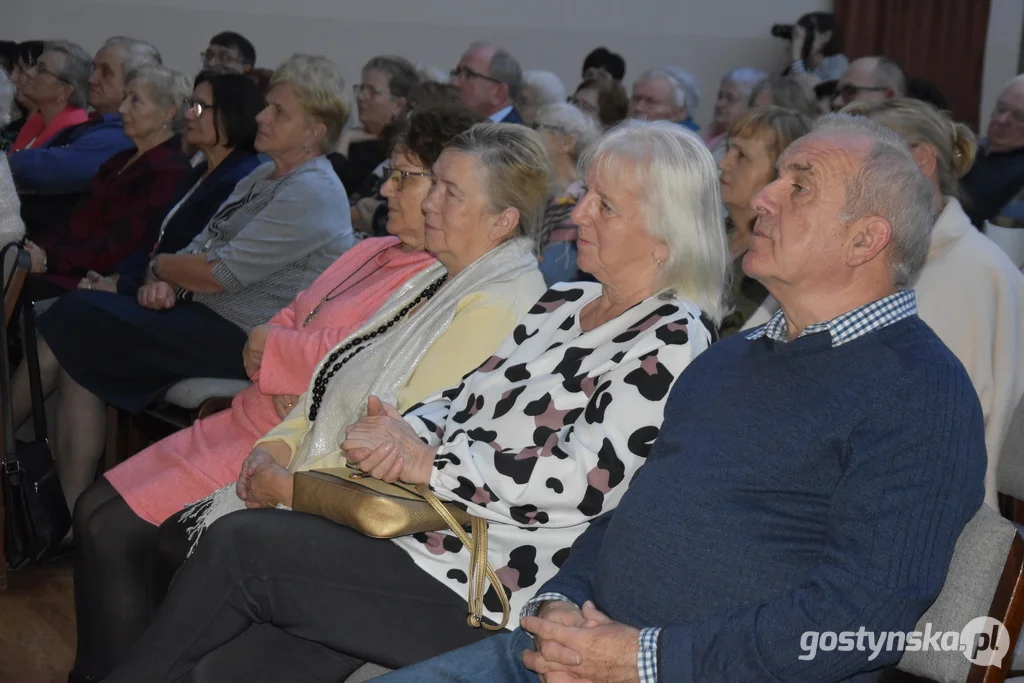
359	88
849	91
466	72
196	107
398	176
40	69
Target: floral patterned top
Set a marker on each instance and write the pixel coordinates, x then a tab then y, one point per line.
546	435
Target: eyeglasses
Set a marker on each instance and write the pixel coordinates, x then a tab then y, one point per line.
466	72
359	88
196	107
219	57
398	176
40	69
849	91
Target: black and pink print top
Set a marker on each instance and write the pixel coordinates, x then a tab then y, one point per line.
547	434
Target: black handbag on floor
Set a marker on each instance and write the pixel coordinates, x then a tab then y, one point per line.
37	517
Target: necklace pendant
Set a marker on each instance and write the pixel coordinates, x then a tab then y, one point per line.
312	314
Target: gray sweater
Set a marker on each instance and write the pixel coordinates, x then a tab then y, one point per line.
271	238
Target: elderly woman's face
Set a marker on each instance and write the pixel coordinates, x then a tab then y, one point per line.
614	245
44	83
141	116
405	187
284	126
201	129
459	228
746	168
730	105
377	106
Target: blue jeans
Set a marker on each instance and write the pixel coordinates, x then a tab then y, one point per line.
496	659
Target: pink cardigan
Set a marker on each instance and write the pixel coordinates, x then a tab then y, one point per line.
159	481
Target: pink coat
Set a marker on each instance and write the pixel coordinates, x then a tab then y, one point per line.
159	481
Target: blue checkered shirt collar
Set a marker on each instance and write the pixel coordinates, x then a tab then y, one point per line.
851	325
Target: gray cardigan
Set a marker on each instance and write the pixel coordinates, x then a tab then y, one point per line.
271	238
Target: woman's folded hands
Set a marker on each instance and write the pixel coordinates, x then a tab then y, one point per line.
386	447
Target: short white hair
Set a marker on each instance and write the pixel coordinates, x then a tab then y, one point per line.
687	92
167	88
746	77
678	177
564	119
546	84
137	53
432	74
888	184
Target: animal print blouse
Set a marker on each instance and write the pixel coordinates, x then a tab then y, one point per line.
547	434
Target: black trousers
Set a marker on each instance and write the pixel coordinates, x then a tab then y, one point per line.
123	566
273	595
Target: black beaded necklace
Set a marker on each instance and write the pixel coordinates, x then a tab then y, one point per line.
328	370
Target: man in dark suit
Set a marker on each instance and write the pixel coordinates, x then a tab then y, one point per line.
488	79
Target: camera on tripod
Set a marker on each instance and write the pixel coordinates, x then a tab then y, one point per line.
784	31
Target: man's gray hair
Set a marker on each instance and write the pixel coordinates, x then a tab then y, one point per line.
888	184
889	74
678	181
137	53
503	67
76	68
687	92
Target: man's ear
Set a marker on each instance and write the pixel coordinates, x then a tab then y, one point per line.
868	239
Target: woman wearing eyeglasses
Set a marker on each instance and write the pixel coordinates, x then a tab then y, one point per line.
116	519
220	122
381	97
57	85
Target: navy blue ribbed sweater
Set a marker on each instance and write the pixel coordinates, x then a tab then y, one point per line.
794	487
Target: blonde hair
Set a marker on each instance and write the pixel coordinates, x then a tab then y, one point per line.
777	126
676	174
515	165
918	122
167	88
320	89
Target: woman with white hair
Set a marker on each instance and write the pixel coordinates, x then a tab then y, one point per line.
567	132
539	441
666	93
11	227
539	88
732	102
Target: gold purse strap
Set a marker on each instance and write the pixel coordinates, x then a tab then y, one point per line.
480	570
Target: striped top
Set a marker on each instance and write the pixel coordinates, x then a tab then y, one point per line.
271	238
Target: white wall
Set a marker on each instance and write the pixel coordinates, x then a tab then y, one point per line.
709	37
1002	52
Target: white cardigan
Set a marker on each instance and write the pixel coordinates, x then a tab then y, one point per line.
972	295
11	227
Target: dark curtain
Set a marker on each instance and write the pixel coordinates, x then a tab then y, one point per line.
942	41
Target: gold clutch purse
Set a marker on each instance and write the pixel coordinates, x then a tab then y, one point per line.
374	508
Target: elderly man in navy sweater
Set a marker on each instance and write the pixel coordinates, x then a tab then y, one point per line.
811	476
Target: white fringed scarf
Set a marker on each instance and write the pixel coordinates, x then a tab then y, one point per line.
382	368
